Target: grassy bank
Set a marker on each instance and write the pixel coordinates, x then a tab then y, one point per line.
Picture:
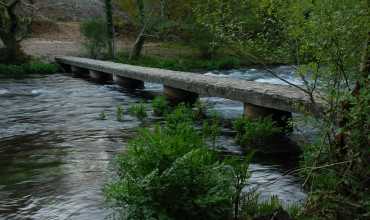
26	69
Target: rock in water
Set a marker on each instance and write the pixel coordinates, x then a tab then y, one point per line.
279	214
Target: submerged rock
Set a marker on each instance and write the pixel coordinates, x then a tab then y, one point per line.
279	214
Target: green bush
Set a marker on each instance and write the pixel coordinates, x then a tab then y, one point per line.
18	71
212	129
139	111
95	34
200	110
160	106
40	68
168	173
255	132
181	114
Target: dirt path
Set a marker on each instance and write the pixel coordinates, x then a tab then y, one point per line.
54	39
64	39
49	49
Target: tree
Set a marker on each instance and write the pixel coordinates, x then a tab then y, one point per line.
147	15
326	39
140	40
110	28
14	27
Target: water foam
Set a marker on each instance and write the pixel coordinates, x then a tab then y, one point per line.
4	91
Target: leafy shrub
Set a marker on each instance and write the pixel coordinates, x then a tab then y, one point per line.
169	174
200	110
211	129
40	68
253	207
139	111
241	175
160	106
255	132
95	33
12	71
18	71
181	114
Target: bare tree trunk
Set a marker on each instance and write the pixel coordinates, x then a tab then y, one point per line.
12	52
11	47
140	40
138	46
110	28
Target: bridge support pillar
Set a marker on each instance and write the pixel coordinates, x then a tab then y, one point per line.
280	117
177	96
80	72
127	82
99	76
66	68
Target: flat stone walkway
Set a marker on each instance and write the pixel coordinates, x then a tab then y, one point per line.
279	97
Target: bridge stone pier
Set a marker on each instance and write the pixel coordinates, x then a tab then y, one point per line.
99	76
78	71
280	117
128	83
260	99
177	96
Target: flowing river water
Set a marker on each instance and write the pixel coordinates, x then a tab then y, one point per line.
56	155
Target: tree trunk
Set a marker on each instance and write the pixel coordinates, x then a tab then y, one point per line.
140	40
138	46
110	28
12	52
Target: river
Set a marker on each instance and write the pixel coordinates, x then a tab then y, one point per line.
56	155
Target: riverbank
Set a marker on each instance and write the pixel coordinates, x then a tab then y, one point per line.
64	39
27	69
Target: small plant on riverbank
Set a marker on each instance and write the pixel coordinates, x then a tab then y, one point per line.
160	106
200	110
139	111
211	129
23	70
181	114
241	175
119	113
102	116
255	132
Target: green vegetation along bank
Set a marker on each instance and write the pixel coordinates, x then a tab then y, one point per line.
26	69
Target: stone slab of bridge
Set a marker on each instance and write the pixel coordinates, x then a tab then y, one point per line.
260	99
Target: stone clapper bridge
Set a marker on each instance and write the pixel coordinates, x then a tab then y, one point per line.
260	99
